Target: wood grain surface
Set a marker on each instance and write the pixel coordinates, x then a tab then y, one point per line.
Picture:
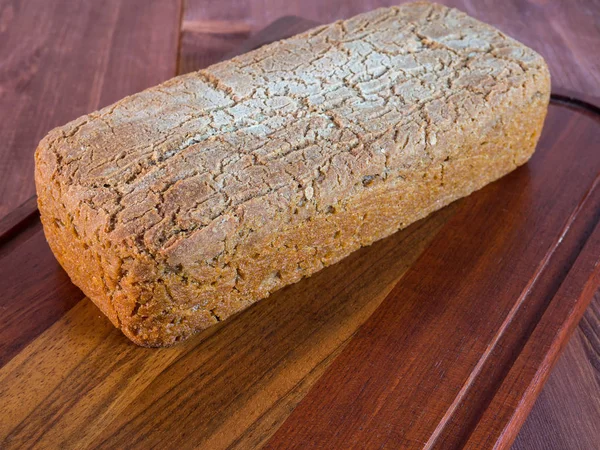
87	53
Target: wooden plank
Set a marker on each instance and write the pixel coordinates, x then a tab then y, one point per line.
81	56
406	374
61	59
14	221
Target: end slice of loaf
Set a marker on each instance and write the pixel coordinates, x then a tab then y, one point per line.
181	205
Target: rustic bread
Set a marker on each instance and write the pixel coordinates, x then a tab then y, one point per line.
181	205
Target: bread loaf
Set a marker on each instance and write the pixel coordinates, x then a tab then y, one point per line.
181	205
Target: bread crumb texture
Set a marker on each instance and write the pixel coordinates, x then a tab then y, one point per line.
176	207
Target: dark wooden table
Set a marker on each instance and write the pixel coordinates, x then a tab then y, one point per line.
60	59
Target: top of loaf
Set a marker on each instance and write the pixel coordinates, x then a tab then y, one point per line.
292	127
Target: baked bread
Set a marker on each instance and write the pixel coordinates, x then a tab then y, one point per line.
181	205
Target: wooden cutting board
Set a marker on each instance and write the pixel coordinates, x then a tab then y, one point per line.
439	336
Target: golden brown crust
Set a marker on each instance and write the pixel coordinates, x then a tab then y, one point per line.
185	203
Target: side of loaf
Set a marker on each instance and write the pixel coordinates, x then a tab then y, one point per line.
181	205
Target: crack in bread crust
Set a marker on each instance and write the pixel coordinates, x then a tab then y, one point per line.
178	206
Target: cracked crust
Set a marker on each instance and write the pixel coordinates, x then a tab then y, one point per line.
181	205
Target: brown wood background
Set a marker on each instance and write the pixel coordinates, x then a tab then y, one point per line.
60	59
